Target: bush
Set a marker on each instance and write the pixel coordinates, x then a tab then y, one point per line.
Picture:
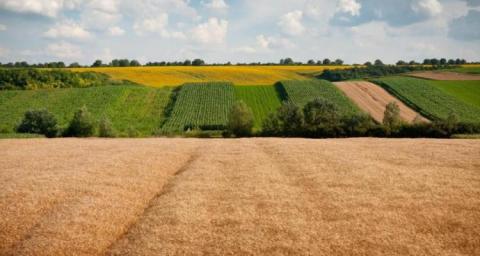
321	119
357	125
391	117
105	129
82	124
240	120
39	122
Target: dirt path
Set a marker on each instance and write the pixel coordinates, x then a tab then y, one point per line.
240	197
373	99
445	76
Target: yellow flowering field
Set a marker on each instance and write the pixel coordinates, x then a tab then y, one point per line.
239	75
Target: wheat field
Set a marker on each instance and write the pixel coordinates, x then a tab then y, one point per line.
239	75
239	197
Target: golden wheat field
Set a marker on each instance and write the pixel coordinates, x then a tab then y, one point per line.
239	75
239	197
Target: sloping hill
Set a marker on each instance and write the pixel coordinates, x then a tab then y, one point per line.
131	109
263	100
302	92
427	99
372	99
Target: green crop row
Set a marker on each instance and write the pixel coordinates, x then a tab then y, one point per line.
263	100
426	98
302	92
203	106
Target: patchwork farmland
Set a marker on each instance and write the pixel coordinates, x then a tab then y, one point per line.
372	99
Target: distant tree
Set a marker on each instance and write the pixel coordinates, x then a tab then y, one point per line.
391	117
38	122
327	62
286	121
97	63
240	120
198	62
435	62
123	63
443	61
115	63
401	62
187	63
82	124
357	125
74	65
412	62
288	61
378	63
338	62
451	62
311	62
134	63
427	62
368	63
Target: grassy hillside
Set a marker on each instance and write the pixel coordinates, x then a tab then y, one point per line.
263	100
302	92
202	106
239	75
467	91
131	109
429	100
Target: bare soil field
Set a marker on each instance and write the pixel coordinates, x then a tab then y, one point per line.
373	99
239	197
447	76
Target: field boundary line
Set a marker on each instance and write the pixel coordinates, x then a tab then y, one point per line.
165	189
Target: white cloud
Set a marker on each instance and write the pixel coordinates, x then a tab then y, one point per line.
428	7
212	31
42	7
3	27
215	5
291	23
245	49
64	50
68	29
351	7
116	31
153	25
271	42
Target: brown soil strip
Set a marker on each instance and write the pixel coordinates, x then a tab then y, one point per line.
241	197
445	76
373	99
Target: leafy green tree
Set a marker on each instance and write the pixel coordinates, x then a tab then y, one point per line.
198	62
187	63
82	124
311	62
321	118
338	62
97	63
240	120
134	63
391	117
288	61
327	61
290	118
38	122
378	63
357	125
271	125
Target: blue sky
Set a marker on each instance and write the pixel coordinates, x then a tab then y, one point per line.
238	31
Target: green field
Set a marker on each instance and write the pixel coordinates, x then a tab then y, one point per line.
302	92
429	100
131	109
467	91
263	100
203	106
468	70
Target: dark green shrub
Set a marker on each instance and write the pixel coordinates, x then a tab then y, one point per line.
105	129
240	120
82	124
321	119
38	122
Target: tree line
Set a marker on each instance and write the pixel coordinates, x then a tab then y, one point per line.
200	62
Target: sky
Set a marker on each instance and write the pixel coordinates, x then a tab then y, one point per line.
238	30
